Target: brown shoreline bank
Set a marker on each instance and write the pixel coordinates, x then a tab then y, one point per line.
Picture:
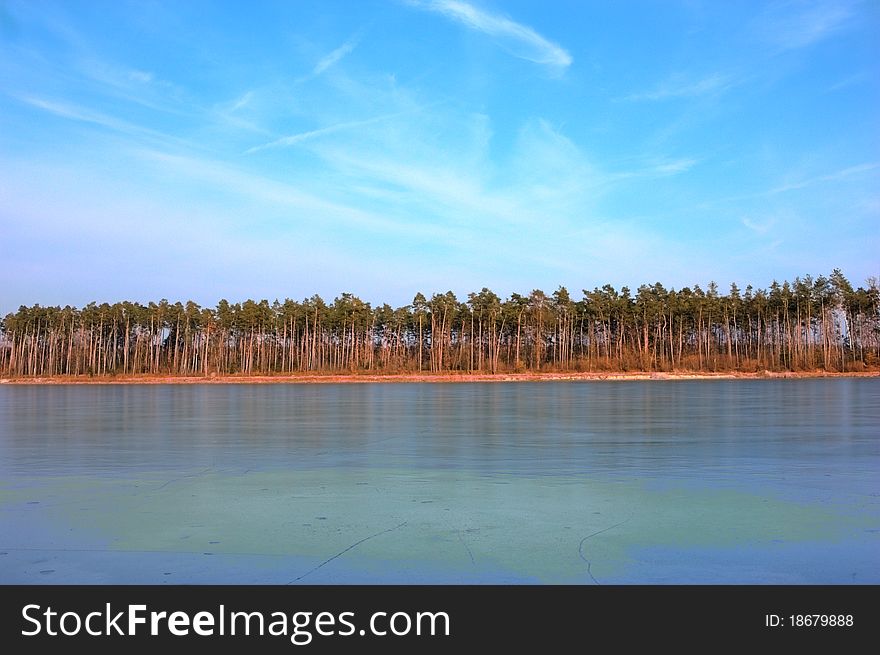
355	378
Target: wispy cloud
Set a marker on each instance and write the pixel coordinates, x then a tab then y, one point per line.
84	115
143	77
242	101
295	139
134	85
520	40
75	113
680	86
830	177
229	113
842	174
790	25
673	166
649	166
334	57
849	81
547	180
441	190
759	227
265	190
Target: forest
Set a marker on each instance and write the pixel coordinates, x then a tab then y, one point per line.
811	323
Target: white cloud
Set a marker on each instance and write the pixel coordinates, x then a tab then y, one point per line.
133	85
72	112
849	81
830	177
243	101
269	192
759	227
295	139
85	115
673	166
792	25
333	58
140	76
678	86
520	40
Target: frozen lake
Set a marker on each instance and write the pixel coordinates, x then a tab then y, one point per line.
725	481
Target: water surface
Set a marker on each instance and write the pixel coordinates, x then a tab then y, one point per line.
723	481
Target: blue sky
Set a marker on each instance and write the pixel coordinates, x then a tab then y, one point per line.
207	150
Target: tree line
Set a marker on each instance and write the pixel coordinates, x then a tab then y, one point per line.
810	323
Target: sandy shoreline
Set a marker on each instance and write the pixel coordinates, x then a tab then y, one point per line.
356	378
